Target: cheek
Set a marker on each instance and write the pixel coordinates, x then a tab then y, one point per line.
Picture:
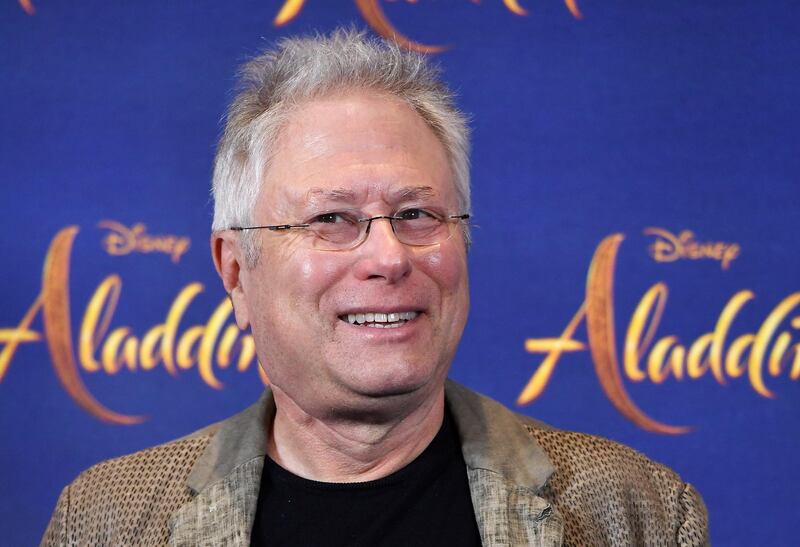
310	275
447	268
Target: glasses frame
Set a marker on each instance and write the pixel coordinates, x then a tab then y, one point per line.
449	219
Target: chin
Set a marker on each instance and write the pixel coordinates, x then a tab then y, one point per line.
393	385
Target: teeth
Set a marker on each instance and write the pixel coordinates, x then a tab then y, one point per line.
383	325
380	320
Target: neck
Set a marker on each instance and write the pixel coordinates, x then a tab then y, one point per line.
338	448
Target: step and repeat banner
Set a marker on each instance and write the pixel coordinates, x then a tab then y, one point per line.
636	159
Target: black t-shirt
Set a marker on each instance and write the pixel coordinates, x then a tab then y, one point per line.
425	503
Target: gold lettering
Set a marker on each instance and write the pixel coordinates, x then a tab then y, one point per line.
697	360
776	356
210	336
103	303
553	347
665	249
55	298
750	353
602	344
762	339
226	345
171	324
635	345
119	349
657	370
795	374
163	344
246	356
668	248
721	332
22	334
187	350
122	240
733	363
676	359
147	358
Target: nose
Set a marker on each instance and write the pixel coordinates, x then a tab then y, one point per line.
382	256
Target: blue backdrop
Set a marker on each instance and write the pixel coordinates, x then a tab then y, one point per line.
672	125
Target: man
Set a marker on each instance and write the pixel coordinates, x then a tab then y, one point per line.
340	233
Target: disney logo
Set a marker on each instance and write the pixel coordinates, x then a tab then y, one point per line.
669	247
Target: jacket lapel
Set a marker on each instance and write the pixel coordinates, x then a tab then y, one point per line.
225	481
508	514
506	469
222	513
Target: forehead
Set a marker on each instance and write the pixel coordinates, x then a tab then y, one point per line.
357	147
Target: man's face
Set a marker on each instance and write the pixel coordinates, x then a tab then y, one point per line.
370	155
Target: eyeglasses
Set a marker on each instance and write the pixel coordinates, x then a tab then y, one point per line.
345	231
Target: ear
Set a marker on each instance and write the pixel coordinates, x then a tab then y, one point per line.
229	261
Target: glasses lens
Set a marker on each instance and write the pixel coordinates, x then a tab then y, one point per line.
335	231
420	228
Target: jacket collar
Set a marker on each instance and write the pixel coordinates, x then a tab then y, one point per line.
494	439
237	440
506	469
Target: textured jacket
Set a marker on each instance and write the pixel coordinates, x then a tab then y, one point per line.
530	485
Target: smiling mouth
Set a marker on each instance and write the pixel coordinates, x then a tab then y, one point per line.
378	320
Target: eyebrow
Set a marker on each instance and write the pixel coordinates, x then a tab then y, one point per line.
335	194
408	193
411	193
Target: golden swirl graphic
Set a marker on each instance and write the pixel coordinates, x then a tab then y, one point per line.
572	6
55	312
514	7
288	12
600	327
27	6
374	15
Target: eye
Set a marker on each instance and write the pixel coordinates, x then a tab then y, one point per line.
415	214
330	218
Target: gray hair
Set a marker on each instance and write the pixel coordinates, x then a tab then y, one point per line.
302	69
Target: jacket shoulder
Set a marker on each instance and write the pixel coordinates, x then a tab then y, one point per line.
127	500
608	490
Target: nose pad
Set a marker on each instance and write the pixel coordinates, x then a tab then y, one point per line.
387	219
